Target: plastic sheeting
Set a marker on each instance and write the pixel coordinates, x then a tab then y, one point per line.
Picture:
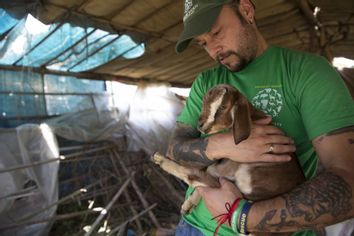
148	124
27	191
100	122
152	117
89	125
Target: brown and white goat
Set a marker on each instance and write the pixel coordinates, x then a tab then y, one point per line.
225	107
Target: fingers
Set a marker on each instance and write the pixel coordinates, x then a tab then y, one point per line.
279	148
278	139
202	190
266	129
264	121
225	186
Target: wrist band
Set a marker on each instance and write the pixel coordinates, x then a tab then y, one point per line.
236	216
242	226
228	215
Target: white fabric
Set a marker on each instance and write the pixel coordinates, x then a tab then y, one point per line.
345	228
21	146
148	123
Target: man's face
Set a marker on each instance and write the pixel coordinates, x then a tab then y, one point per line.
232	41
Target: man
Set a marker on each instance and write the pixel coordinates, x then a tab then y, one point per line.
307	101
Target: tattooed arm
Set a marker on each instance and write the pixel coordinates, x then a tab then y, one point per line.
188	148
324	200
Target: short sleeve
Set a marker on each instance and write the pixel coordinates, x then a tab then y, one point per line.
323	99
190	113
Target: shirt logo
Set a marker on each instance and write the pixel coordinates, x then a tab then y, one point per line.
269	101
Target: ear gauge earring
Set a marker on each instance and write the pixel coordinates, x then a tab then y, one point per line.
250	21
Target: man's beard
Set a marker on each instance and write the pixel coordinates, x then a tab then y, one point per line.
240	65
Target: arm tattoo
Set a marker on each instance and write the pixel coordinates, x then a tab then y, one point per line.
327	194
186	146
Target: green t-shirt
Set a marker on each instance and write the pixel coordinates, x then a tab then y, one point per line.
302	92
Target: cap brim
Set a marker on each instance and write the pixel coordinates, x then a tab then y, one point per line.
198	25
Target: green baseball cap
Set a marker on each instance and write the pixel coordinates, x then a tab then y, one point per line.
199	17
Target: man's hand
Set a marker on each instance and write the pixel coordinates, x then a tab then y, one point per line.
256	148
216	198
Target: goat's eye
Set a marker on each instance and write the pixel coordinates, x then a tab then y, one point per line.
217	113
220	110
223	107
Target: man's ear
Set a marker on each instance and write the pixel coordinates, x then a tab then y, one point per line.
246	8
242	119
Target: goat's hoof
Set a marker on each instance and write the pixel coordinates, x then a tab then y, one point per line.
187	210
157	158
184	211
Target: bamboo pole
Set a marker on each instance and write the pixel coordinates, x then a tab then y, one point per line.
127	196
21	193
69	156
83	158
85	152
70	196
16	196
109	206
138	192
33	164
76	147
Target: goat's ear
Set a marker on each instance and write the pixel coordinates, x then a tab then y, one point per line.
242	119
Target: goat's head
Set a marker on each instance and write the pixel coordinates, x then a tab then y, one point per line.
225	107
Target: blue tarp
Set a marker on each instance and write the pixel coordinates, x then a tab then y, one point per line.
6	21
61	46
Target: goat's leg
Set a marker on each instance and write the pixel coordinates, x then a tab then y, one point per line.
191	202
191	175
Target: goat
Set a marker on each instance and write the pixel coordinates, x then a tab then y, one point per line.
223	108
